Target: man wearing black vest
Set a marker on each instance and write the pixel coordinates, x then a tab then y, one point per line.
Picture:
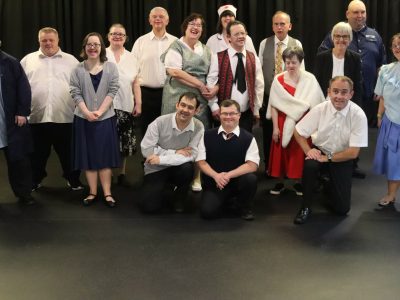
228	157
239	75
270	54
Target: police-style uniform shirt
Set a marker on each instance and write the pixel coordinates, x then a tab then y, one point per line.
334	131
368	43
49	78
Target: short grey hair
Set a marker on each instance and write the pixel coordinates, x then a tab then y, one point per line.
153	10
342	27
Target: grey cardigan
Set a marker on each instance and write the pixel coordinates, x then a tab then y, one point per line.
81	88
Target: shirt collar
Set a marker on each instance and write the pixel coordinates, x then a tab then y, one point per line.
190	127
58	54
153	36
285	40
232	52
235	131
342	112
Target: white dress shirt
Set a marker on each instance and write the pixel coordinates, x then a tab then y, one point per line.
217	44
251	153
334	131
337	66
127	70
242	99
49	77
147	51
284	46
174	60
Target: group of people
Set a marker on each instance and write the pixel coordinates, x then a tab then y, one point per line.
198	104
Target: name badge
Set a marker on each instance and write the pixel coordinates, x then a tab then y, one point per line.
371	38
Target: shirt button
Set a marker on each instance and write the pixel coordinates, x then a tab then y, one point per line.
359	50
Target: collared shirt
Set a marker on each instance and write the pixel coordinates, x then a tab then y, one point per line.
242	99
3	127
127	70
163	138
334	131
49	78
217	44
251	153
388	86
368	43
147	51
284	46
174	60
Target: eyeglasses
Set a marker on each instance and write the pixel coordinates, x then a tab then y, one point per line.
343	37
229	114
192	24
118	34
94	45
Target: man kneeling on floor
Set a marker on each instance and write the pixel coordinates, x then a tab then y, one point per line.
170	148
228	157
338	128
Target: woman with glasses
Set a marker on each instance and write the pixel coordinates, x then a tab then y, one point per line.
292	94
339	61
187	62
219	41
387	153
93	86
128	101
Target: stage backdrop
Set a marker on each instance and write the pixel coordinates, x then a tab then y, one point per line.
20	20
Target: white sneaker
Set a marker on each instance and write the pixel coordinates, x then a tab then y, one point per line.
196	186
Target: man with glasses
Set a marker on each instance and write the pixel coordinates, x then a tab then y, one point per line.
338	128
170	148
239	75
48	71
151	71
228	157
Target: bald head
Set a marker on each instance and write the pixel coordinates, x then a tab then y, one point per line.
356	15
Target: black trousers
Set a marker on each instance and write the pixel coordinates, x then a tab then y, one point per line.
246	120
152	198
337	185
267	129
370	108
56	135
151	106
19	175
213	199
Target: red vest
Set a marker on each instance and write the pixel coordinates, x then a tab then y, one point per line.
225	76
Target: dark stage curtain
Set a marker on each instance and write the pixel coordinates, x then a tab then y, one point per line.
20	20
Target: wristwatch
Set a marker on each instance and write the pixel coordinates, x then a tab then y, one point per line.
329	155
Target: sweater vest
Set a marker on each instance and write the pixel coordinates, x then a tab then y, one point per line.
225	155
225	76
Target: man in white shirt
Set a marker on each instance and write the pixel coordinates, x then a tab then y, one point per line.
151	71
48	71
239	76
338	128
228	157
170	148
270	54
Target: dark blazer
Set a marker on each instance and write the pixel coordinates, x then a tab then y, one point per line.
17	97
352	68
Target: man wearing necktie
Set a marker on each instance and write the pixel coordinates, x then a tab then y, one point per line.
228	157
239	75
270	55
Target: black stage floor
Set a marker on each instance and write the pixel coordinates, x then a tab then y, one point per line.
62	250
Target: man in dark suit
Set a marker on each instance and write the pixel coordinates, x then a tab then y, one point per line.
15	135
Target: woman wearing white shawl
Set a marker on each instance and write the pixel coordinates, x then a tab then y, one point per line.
292	94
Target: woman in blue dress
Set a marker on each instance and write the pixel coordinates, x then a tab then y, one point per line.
387	154
93	86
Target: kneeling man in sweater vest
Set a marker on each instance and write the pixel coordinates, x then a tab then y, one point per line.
228	157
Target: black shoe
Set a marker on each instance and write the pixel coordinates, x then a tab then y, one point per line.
89	199
357	173
248	215
278	189
29	200
109	201
302	215
36	186
75	184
